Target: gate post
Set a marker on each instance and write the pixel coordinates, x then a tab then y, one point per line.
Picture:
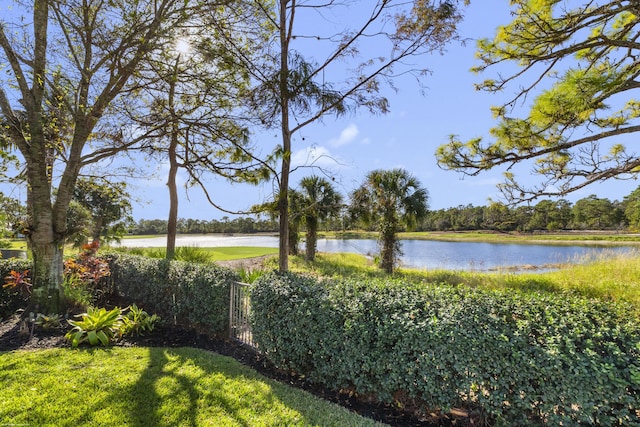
239	313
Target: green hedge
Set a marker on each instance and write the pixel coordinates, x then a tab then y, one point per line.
11	301
190	294
514	358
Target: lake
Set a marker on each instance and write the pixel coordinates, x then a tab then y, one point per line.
426	254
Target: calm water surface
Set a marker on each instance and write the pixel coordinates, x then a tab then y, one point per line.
427	254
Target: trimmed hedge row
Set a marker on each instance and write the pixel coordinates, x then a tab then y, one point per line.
195	295
190	294
515	359
11	301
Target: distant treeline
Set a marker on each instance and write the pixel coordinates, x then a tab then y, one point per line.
590	213
197	226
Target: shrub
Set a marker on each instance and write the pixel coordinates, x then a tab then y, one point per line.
137	321
202	297
195	295
294	323
18	282
48	321
192	254
99	326
144	281
516	359
86	277
10	299
96	326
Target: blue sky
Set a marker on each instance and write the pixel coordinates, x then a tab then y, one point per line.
407	137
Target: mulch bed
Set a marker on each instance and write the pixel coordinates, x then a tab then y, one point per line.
14	335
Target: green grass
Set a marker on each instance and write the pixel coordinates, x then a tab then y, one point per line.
18	244
557	238
607	277
152	387
198	254
239	252
548	238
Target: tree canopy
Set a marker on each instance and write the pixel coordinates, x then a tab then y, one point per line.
68	66
301	77
109	207
391	199
319	201
577	61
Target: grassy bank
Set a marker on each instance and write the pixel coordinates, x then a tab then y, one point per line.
496	237
189	253
606	277
152	386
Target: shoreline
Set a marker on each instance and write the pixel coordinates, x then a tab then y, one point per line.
577	238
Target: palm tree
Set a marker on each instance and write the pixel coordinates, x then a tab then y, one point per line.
391	199
295	202
295	218
319	201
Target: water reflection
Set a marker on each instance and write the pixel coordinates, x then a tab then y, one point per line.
428	254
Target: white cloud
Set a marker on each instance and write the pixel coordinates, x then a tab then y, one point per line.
314	156
347	136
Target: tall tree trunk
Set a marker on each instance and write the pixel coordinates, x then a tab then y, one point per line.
388	248
283	206
283	202
293	240
312	238
46	274
46	246
172	221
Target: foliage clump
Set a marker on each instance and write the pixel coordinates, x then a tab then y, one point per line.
99	326
10	298
190	294
511	358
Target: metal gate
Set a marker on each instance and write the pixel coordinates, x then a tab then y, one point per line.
239	313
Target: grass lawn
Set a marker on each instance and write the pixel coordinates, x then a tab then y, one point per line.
190	253
609	278
152	387
556	238
19	244
239	252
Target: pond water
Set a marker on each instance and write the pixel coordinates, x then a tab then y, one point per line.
427	254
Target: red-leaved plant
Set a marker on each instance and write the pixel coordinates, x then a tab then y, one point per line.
19	282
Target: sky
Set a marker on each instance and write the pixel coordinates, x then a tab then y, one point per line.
407	137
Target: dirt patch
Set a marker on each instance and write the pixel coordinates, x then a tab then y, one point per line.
247	264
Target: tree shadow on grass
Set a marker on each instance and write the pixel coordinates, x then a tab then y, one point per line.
219	389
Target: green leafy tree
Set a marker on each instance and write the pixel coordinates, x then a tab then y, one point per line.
595	213
295	218
577	61
109	207
68	67
631	207
78	224
14	216
319	201
550	215
296	79
392	200
191	110
497	216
